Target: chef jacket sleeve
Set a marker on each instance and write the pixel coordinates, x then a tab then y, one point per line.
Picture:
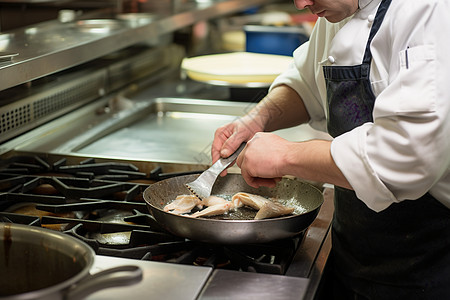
405	152
305	76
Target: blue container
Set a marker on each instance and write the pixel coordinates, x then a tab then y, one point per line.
273	39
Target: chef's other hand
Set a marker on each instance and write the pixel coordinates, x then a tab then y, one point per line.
230	136
261	161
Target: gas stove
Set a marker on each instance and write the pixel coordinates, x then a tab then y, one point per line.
101	203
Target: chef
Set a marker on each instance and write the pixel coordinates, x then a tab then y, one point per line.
376	76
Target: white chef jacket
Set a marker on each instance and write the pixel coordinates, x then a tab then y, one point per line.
405	152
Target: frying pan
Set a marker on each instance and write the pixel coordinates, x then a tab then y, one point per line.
238	227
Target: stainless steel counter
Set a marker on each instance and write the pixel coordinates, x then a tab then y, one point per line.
167	129
176	130
160	280
53	46
145	125
225	284
176	282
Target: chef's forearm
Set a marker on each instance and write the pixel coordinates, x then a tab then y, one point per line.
281	108
312	160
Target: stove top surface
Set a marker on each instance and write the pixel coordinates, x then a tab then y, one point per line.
101	203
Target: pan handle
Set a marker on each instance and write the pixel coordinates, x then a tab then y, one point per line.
113	277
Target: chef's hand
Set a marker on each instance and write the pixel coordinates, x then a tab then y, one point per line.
262	160
230	136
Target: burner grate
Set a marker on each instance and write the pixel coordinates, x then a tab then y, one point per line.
100	204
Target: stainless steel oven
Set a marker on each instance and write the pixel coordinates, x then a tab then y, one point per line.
87	125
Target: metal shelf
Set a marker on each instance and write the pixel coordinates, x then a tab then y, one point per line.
54	46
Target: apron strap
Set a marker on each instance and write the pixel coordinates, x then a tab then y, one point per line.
381	12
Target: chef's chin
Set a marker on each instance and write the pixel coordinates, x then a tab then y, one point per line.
333	18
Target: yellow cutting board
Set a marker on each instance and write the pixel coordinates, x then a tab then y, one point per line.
237	68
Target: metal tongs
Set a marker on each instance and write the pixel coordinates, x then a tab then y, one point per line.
202	186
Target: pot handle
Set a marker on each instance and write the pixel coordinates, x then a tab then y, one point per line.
113	277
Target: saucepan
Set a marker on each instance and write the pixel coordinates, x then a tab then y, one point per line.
39	263
236	227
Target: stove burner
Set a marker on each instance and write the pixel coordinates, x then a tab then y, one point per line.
100	204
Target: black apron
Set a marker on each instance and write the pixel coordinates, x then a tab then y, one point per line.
402	252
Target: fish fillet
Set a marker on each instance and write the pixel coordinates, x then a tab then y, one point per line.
265	207
252	200
182	204
273	209
213	200
214	210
